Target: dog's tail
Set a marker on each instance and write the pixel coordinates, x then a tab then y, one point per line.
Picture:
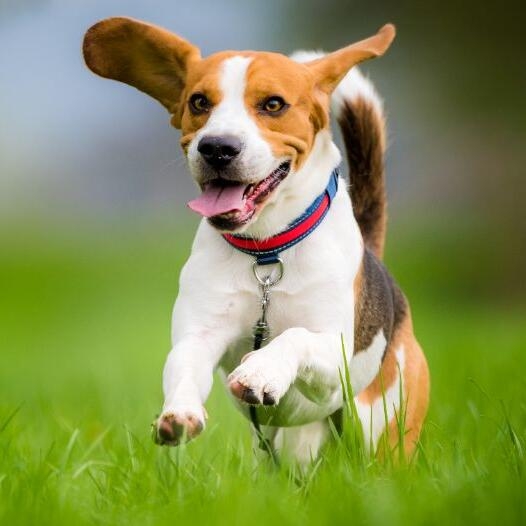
359	112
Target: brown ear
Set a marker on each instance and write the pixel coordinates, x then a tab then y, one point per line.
145	56
330	69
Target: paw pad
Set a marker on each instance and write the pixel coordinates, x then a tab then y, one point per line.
171	429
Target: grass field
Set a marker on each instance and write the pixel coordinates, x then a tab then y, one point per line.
83	336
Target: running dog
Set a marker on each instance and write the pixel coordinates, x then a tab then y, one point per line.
284	240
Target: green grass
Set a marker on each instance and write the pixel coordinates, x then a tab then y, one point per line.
84	333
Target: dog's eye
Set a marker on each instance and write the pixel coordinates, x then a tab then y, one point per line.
273	105
199	103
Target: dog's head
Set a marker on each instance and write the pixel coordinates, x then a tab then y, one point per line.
248	119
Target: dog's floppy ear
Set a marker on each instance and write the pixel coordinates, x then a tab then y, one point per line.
330	69
145	56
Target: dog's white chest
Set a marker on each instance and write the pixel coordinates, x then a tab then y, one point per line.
220	296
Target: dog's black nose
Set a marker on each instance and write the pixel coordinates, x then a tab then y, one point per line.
219	151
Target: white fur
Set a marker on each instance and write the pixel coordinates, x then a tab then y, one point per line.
352	86
301	443
288	203
355	85
372	416
302	55
366	364
230	117
310	309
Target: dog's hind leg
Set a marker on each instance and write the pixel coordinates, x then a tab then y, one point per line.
301	444
393	407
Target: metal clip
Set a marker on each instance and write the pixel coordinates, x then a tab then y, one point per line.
270	279
261	330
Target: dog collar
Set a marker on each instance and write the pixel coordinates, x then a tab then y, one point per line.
267	251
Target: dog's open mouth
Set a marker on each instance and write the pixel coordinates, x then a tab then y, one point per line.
229	204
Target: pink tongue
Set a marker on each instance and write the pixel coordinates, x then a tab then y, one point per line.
218	199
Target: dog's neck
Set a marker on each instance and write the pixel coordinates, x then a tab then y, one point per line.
298	190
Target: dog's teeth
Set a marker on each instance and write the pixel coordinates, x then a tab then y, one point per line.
248	190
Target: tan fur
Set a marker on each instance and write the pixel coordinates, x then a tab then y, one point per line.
203	78
292	133
143	55
331	69
170	69
415	381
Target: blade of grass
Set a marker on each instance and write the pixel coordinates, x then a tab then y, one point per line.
10	417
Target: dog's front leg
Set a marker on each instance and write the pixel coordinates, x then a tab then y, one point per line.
187	380
309	360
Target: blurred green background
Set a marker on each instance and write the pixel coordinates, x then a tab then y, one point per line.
94	230
80	152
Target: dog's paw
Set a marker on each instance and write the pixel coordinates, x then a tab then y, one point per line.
172	428
260	379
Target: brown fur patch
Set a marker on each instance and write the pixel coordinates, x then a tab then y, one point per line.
145	56
331	69
203	77
415	379
379	303
170	69
291	133
363	132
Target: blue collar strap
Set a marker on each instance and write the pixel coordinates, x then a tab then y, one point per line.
267	251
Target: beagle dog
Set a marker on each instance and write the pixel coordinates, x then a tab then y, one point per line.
284	288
